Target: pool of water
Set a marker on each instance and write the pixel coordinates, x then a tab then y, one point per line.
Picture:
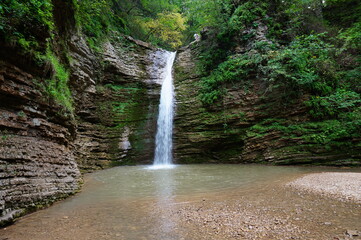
144	182
137	202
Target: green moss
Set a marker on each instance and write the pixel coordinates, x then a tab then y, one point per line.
122	88
123	107
328	134
58	86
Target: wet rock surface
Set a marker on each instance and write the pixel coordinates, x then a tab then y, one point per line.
43	146
199	135
236	129
118	109
37	163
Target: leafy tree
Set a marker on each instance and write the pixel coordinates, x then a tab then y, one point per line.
168	27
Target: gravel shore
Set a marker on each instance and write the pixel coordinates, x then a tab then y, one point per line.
342	186
305	208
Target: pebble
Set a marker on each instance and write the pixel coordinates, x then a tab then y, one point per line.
344	186
353	233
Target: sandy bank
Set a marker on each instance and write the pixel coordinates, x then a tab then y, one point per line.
341	185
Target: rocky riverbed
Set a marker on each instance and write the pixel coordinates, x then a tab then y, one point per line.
316	206
274	208
342	186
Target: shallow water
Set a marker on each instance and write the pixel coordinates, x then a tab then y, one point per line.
142	203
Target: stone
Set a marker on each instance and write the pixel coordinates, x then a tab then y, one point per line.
353	233
43	146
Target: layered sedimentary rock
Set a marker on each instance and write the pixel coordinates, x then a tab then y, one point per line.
203	135
43	147
117	95
240	127
37	164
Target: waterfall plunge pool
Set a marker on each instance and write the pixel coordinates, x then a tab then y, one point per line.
190	202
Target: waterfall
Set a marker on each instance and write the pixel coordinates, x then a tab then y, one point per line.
163	141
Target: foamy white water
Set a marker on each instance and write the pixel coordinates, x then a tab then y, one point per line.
164	145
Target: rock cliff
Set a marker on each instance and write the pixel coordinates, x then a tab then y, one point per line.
37	163
117	95
250	124
43	146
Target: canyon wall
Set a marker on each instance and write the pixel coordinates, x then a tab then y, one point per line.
44	146
115	87
117	95
251	124
37	163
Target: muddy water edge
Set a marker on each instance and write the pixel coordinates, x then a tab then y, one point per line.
193	202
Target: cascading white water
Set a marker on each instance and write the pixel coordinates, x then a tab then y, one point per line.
163	141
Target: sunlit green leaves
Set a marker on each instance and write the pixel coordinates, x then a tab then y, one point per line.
168	27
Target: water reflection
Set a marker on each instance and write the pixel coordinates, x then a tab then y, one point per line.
164	190
139	203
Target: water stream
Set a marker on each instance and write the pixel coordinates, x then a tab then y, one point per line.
163	150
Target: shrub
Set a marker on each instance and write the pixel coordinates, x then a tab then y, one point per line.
334	104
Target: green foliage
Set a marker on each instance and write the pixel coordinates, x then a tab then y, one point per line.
5	135
57	86
121	107
210	57
236	69
311	55
97	18
333	105
342	13
21	114
156	21
27	23
203	13
352	36
333	133
167	27
246	14
307	63
119	88
330	134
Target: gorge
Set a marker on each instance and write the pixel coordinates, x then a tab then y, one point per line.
79	93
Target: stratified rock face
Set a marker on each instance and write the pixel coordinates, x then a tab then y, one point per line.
228	131
200	135
37	164
42	147
117	97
